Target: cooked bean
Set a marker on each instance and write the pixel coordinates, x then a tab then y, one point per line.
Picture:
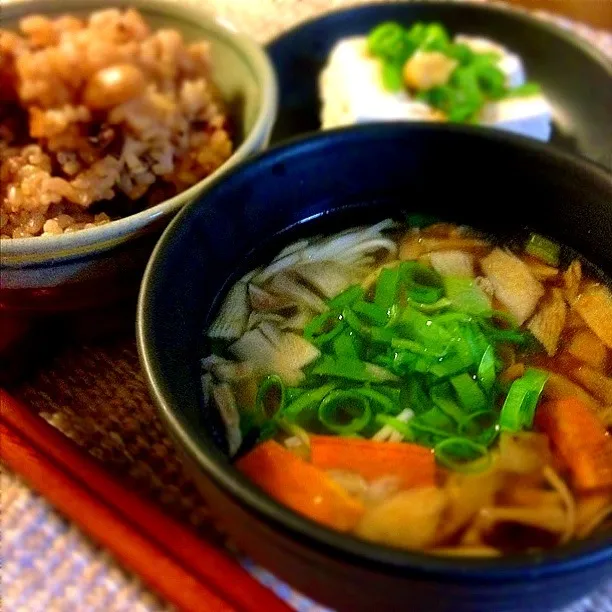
114	85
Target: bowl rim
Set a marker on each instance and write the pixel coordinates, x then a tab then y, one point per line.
513	12
20	252
214	465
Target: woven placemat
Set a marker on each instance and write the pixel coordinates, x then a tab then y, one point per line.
95	393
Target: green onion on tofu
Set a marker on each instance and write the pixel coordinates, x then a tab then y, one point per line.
473	78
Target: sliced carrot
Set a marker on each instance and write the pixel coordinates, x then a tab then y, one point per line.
413	464
581	441
301	486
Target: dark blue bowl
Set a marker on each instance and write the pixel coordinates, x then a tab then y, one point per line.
325	182
573	74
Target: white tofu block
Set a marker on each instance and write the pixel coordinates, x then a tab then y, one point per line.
351	91
529	116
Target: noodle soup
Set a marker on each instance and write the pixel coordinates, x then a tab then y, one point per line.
426	389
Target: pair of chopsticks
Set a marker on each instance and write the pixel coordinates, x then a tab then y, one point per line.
184	569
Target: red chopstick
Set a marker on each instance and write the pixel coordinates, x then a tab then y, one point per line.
186	570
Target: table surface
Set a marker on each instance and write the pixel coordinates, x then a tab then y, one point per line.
95	393
597	13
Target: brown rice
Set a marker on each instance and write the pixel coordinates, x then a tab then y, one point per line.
100	118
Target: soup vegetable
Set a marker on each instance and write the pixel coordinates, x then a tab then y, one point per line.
422	388
420	72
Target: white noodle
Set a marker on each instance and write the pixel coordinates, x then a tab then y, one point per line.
568	500
388	433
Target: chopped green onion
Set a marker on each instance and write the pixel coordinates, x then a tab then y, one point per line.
466	295
421	342
413	347
441	396
441	97
403	362
435	38
345	412
544	249
486	369
249	422
416	35
415	395
421	428
468	98
469	394
492	81
376	314
475	339
292	393
497	334
381	400
323	327
393	393
461	52
476	80
270	396
381	334
389	42
376	334
346	344
392	76
267	431
424	285
462	455
441	304
519	407
346	298
425	330
352	369
451	319
482	433
504	318
527	89
436	418
451	365
306	401
486	58
386	287
355	323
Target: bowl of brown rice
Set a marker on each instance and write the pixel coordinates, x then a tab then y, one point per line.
112	117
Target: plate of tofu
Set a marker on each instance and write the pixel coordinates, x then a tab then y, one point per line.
455	62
